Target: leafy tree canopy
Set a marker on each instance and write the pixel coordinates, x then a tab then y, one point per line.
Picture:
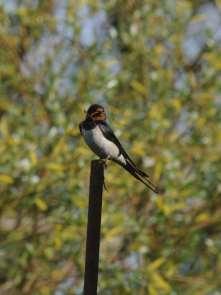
155	66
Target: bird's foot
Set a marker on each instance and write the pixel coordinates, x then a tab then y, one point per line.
105	186
104	161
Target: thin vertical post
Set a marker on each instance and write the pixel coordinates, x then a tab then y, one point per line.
93	228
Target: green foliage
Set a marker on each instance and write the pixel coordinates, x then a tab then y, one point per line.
167	113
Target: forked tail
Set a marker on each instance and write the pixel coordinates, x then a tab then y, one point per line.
141	176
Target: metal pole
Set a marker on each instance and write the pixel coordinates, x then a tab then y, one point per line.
93	228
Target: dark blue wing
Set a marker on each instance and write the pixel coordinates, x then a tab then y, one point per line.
109	134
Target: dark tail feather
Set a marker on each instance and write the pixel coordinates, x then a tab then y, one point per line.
139	171
138	175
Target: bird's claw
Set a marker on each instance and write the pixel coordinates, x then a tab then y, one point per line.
104	161
105	187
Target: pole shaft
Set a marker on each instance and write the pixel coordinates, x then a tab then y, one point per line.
93	228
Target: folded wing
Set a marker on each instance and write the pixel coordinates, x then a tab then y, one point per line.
109	134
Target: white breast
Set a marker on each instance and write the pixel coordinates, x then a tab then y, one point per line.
99	144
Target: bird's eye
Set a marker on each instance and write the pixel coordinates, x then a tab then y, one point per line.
94	114
97	113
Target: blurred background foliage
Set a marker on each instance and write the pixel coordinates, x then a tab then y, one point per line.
155	66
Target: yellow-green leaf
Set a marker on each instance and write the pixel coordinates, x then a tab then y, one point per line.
156	263
55	167
138	87
6	179
160	282
41	204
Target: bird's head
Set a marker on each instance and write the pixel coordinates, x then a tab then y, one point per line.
96	112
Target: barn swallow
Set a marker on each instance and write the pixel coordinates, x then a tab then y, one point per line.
102	141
